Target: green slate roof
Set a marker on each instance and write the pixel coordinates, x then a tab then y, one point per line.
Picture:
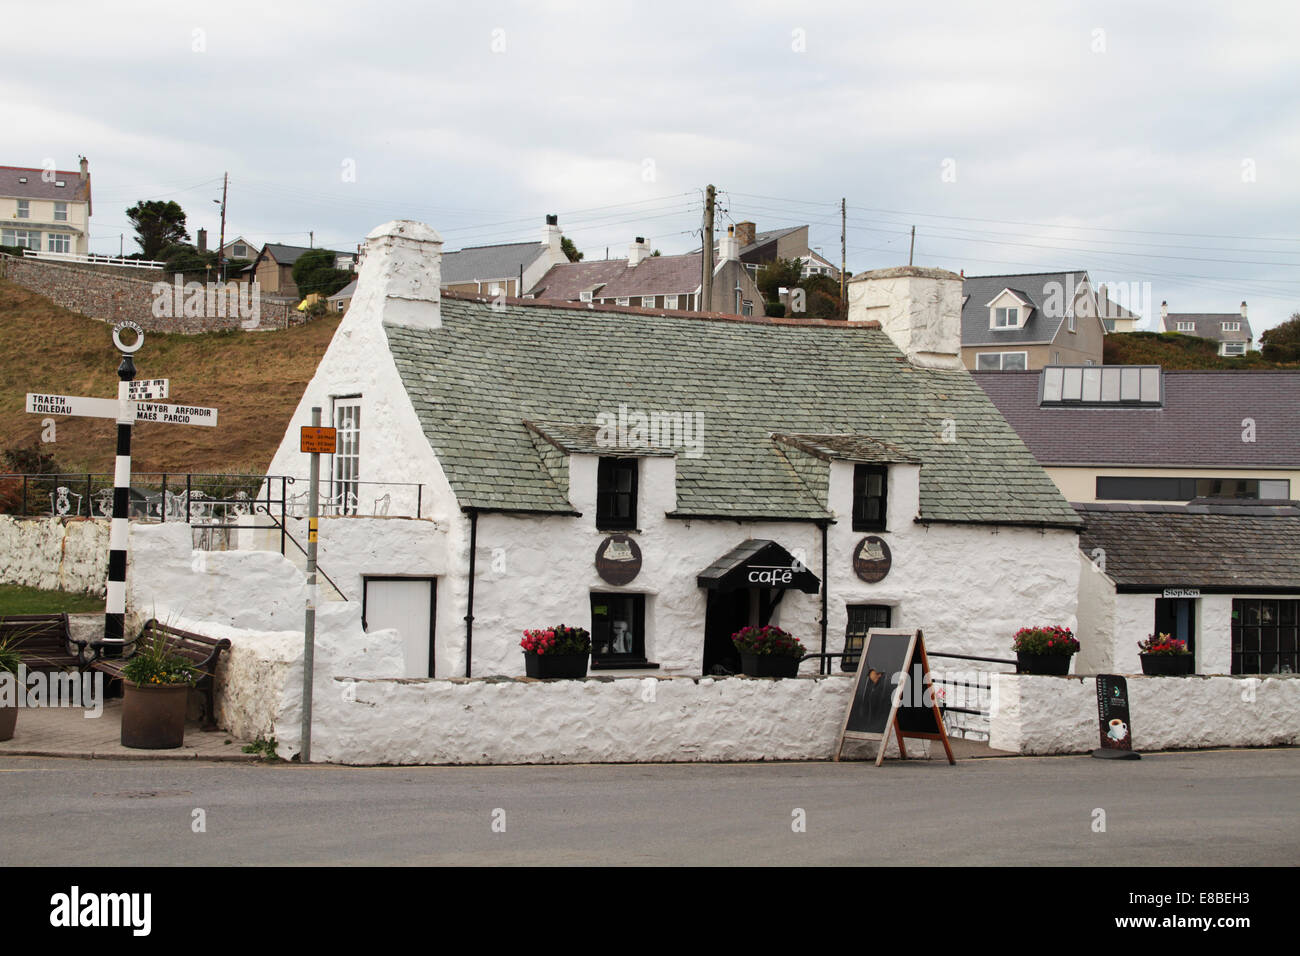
478	379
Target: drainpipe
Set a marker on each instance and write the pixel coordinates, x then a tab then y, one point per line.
825	666
469	609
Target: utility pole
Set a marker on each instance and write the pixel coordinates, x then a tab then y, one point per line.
912	246
221	243
311	240
706	250
843	258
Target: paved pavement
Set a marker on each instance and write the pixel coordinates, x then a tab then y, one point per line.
1177	809
67	732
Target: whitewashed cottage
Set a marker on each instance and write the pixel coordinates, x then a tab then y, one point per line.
664	478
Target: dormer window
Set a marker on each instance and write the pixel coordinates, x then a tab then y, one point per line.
1186	326
1232	326
616	481
1008	318
870	484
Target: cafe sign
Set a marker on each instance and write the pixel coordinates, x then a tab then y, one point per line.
872	559
618	559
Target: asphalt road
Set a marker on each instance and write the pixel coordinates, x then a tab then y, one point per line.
1205	808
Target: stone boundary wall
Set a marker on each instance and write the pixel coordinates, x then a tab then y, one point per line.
63	554
1056	715
114	298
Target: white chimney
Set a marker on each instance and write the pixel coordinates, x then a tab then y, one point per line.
1243	308
728	246
637	251
400	275
551	238
1164	311
918	308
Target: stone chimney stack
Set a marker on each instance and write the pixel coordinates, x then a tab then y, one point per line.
85	169
551	238
400	275
1243	308
638	251
202	239
745	233
728	246
918	308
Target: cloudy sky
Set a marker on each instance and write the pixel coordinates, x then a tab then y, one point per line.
1155	145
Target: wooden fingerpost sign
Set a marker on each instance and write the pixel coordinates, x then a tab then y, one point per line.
886	698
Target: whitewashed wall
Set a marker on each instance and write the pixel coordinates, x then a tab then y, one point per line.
69	554
1097	631
1046	715
619	720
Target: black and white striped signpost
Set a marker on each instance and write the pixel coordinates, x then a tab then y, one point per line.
134	403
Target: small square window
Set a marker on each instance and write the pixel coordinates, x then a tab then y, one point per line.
60	212
1008	318
870	486
622	300
24	209
862	618
647	302
616	481
617	629
670	302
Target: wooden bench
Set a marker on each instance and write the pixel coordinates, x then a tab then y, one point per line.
44	641
200	651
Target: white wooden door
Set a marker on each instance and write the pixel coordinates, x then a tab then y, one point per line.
406	604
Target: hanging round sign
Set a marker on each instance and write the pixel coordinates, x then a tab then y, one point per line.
872	559
618	559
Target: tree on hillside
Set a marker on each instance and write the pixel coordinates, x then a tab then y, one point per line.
821	297
777	274
569	249
158	225
314	272
1282	343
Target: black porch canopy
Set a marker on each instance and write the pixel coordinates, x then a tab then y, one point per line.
758	563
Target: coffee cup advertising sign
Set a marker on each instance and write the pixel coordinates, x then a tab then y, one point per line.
1112	712
872	559
618	559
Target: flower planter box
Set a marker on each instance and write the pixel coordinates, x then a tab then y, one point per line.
8	720
1167	665
153	717
769	665
1055	665
556	665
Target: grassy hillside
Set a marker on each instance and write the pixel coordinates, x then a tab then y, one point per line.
1175	351
254	379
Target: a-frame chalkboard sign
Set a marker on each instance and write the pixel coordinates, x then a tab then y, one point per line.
892	689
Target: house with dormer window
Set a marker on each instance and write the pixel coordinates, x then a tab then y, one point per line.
1017	322
1230	330
666	477
46	210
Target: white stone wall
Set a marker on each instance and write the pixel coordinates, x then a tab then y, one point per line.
54	554
1047	715
1096	631
623	720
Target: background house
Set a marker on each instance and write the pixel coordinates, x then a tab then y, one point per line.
509	269
648	281
46	210
1230	329
1027	321
273	270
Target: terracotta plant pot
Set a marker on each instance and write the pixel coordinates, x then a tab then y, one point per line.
555	665
153	716
769	665
8	718
1167	665
1055	665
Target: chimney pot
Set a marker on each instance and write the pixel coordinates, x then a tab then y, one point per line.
552	219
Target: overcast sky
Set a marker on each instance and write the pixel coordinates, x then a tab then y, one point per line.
1145	143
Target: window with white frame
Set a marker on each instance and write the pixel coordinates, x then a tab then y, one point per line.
58	242
1234	348
25	238
240	251
1006	318
24	209
647	302
584	296
1001	361
622	300
670	302
1069	323
60	212
1232	326
345	488
1186	326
